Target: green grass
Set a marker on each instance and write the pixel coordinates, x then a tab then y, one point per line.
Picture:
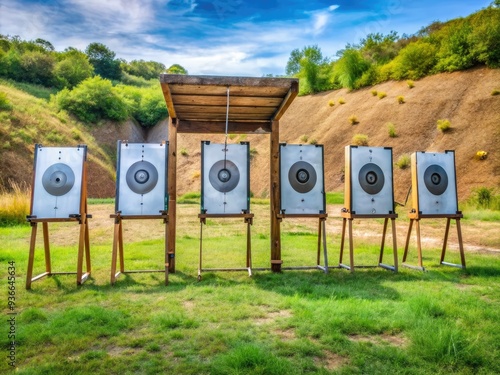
38	91
369	322
335	198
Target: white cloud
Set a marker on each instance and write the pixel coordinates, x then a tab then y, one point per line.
321	18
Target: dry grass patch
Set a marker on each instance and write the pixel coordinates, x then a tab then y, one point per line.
394	340
330	361
272	316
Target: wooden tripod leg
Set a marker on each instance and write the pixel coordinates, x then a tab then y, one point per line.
351	247
87	249
419	243
115	250
394	244
201	247
46	246
407	244
318	256
166	251
31	257
460	243
249	247
120	247
81	245
384	231
325	252
344	220
445	241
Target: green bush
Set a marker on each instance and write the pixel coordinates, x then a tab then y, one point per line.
483	196
381	95
403	161
350	67
374	92
444	125
92	100
4	102
400	99
391	128
410	83
414	61
360	140
353	120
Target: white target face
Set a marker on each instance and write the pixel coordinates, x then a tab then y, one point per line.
225	185
302	179
369	183
435	182
57	189
141	178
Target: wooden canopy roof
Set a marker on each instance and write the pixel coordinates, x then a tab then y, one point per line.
198	104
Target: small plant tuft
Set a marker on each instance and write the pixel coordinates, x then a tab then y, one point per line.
313	141
493	93
481	155
410	83
4	102
184	152
331	103
341	101
391	128
253	153
403	161
382	95
360	140
231	136
353	119
196	174
400	99
444	125
304	138
374	92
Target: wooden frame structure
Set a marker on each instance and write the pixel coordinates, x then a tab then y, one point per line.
321	240
248	219
83	240
416	217
118	244
197	104
348	216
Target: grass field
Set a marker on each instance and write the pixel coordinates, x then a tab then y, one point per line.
442	321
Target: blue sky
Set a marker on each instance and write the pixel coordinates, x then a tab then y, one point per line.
220	37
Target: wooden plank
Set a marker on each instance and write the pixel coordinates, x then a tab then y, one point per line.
202	80
292	93
222	116
182	109
168	100
275	197
240	127
233	90
249	101
172	189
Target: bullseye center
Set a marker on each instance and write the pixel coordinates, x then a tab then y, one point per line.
371	178
224	175
436	179
302	176
141	176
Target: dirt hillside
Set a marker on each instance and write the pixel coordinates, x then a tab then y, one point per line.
464	98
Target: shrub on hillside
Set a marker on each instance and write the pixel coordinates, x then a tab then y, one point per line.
381	95
331	103
4	102
410	83
374	92
481	155
391	128
495	92
444	125
360	140
400	99
403	161
353	119
304	138
414	61
341	101
92	100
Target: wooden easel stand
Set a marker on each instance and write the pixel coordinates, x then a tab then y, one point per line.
349	217
416	217
248	219
83	248
321	240
118	244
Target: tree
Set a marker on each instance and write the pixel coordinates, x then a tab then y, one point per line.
350	67
103	60
311	67
176	69
37	67
73	68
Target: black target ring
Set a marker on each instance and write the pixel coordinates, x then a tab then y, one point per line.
224	176
142	177
58	179
371	178
436	179
302	177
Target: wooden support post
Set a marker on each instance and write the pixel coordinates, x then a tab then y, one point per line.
172	190
46	247
275	198
351	247
31	256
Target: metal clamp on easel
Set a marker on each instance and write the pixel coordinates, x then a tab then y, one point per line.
248	218
369	194
59	191
434	196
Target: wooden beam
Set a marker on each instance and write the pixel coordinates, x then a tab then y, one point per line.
168	100
172	190
275	198
181	79
292	93
243	101
183	109
240	127
233	90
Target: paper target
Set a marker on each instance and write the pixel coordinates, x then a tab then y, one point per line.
369	182
225	185
57	187
302	179
141	178
434	183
